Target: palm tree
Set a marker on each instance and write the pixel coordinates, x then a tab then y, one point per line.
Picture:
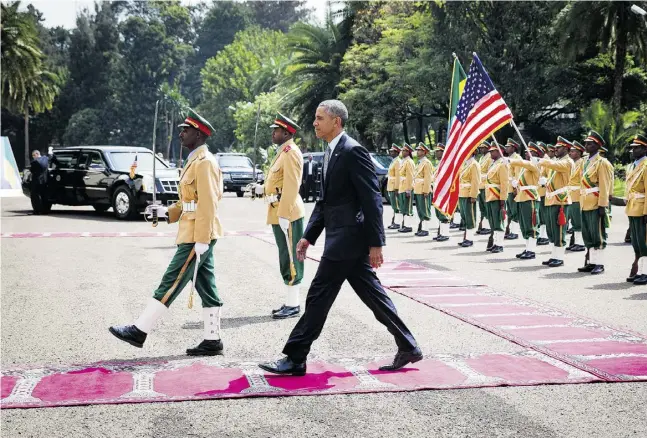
616	129
607	25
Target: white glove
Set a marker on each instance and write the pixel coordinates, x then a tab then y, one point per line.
542	181
260	189
162	212
200	248
515	182
534	160
50	150
284	224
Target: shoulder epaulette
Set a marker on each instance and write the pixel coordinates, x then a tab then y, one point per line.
287	148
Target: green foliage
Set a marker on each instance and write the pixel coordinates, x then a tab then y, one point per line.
617	129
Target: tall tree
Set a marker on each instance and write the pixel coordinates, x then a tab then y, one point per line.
278	14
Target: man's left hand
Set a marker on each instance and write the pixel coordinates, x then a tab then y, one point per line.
375	256
645	219
602	211
284	224
473	200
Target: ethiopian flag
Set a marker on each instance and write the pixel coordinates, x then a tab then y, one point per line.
459	78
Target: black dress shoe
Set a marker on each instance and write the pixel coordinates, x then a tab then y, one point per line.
586	268
130	334
490	248
423	233
453	226
466	243
641	280
497	249
442	238
511	236
284	366
528	255
548	262
556	263
521	254
393	227
599	269
577	248
206	348
543	241
632	278
461	228
287	312
568	248
405	230
483	231
569	231
278	310
403	358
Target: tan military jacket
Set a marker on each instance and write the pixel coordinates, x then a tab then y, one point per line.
284	177
497	183
528	175
469	179
484	164
201	186
574	184
422	177
597	183
393	181
407	170
636	190
559	173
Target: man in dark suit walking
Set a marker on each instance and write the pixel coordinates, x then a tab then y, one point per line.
310	168
350	210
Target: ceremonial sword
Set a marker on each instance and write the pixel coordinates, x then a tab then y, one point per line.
154	209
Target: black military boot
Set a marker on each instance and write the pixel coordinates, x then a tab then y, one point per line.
130	334
206	348
287	312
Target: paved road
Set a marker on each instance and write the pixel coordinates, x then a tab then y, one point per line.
59	295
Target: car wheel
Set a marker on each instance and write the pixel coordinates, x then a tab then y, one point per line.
240	193
123	203
101	208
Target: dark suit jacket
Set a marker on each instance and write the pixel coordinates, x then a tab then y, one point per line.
351	206
38	170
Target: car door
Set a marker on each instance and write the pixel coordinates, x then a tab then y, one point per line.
91	184
61	179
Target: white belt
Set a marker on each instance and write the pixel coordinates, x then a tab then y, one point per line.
557	192
466	186
484	178
188	207
635	196
591	190
492	186
419	180
572	188
527	188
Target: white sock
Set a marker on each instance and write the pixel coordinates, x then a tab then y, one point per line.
599	257
578	238
457	218
211	318
292	296
444	229
469	234
486	223
542	232
642	266
559	252
592	255
515	228
527	244
498	238
531	246
154	310
404	220
553	253
426	225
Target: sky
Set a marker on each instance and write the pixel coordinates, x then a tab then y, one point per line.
63	12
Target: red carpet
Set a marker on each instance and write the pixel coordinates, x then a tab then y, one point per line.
202	379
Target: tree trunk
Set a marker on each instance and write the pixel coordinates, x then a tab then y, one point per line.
26	136
405	131
421	121
621	54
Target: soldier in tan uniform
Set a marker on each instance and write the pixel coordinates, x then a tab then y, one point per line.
484	163
405	189
512	230
443	227
597	183
636	209
422	188
547	151
469	180
574	212
557	198
200	191
528	199
285	210
497	185
393	183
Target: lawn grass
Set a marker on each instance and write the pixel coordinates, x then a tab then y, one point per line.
619	187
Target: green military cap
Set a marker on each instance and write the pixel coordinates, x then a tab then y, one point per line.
195	120
596	138
440	147
407	147
511	142
550	147
577	146
639	140
283	122
423	147
485	144
562	142
533	147
542	146
395	147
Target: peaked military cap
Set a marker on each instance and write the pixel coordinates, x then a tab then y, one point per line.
511	142
550	147
485	144
596	138
195	120
493	147
440	147
577	146
407	147
532	146
639	140
542	146
283	122
423	147
395	147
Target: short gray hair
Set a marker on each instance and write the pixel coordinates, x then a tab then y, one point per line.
335	108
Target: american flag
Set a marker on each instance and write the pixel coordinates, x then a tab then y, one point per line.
481	112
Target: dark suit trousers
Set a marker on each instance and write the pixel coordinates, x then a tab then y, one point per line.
322	294
310	189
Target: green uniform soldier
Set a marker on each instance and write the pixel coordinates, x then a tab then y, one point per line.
393	183
469	179
512	230
484	164
574	212
422	188
285	211
557	198
497	185
405	188
636	209
201	188
443	228
597	183
548	150
528	199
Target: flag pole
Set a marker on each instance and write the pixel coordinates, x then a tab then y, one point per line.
497	145
514	125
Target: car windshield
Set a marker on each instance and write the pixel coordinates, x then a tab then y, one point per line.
235	161
383	161
123	160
